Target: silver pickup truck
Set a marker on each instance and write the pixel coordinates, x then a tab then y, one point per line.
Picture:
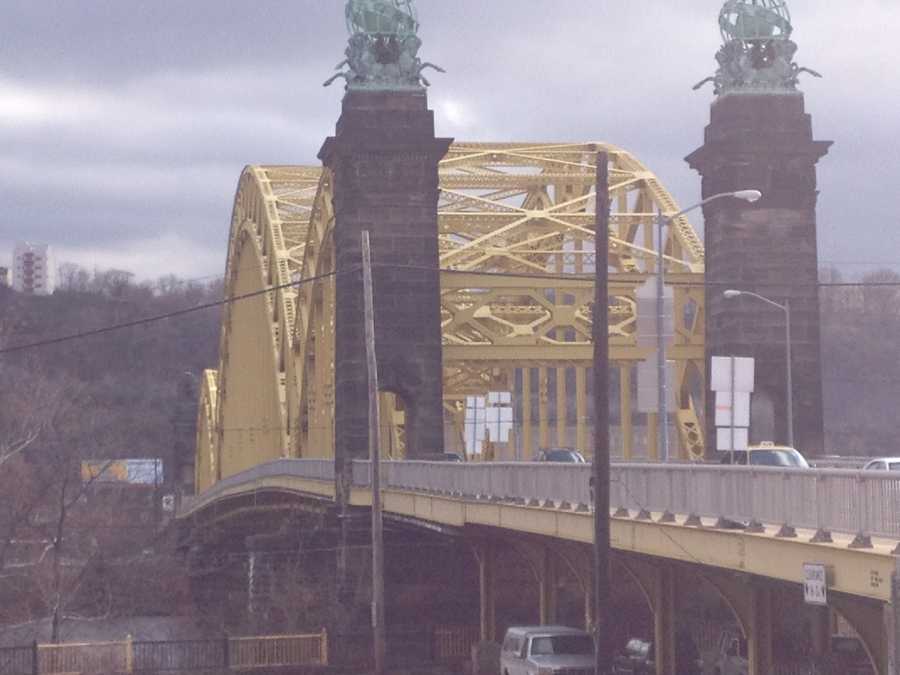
547	650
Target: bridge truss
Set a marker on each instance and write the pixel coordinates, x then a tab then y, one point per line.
517	253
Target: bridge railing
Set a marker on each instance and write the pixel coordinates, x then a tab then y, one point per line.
824	500
524	481
864	503
312	469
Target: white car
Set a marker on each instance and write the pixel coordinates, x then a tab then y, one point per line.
547	650
883	464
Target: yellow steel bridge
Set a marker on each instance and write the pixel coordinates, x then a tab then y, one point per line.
517	253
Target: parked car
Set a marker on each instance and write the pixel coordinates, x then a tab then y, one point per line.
639	657
883	464
767	454
561	455
547	650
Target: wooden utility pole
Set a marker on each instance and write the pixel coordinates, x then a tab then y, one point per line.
603	663
374	457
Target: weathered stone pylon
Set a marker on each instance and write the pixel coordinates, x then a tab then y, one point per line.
760	137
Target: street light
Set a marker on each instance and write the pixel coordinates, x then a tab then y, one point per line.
789	393
661	221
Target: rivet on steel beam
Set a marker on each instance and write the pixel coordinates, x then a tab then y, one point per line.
724	523
822	536
861	540
786	531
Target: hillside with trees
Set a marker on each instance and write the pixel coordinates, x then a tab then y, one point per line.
73	547
70	548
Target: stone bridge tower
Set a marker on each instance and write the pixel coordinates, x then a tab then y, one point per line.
760	137
384	158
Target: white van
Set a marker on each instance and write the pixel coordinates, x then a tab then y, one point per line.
547	650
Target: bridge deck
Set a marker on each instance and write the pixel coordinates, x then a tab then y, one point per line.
552	500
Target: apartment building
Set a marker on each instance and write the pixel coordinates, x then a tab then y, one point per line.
34	270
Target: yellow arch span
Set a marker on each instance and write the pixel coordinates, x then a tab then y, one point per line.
505	207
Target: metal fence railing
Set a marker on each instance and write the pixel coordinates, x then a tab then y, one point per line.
862	503
312	469
17	660
454	643
85	657
279	650
183	656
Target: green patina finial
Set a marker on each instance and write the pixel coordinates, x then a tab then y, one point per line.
757	55
382	53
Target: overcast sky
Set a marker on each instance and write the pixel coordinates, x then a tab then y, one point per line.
124	124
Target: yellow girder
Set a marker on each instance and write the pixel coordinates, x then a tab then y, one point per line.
505	208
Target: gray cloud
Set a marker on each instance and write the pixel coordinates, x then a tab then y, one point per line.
124	125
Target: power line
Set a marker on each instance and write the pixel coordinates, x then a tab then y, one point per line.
167	315
486	274
559	276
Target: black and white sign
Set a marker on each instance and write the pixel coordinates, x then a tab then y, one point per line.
815	584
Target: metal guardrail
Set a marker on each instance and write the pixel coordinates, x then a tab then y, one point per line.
825	500
312	469
861	503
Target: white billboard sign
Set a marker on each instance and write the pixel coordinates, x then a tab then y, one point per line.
740	410
723	439
721	373
648	312
648	386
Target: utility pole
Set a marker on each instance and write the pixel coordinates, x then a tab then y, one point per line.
375	463
603	662
662	375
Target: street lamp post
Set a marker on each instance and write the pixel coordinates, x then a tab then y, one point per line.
789	393
661	222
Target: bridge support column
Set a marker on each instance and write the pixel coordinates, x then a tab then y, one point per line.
893	623
657	581
820	637
872	621
760	631
751	603
549	589
664	619
486	554
384	159
765	142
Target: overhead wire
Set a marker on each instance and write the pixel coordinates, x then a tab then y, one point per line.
166	315
485	274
